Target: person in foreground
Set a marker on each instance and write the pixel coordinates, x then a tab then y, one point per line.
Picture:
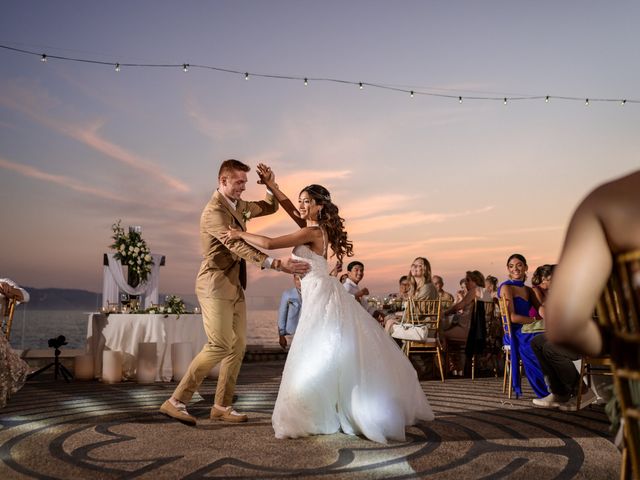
220	288
343	372
606	223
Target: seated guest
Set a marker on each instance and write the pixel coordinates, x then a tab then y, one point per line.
457	330
445	297
563	377
401	297
13	370
491	284
462	291
355	274
520	299
289	311
403	288
421	286
541	280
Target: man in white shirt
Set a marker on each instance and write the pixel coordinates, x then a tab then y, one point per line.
355	272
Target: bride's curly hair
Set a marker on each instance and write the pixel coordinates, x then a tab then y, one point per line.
331	221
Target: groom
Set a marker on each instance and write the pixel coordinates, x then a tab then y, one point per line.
220	288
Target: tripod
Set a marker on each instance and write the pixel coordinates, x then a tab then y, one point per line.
58	368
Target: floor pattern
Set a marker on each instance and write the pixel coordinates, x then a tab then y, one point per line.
55	430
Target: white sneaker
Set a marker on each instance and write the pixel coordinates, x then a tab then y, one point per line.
587	399
550	401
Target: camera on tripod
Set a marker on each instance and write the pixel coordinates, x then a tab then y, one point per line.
57	342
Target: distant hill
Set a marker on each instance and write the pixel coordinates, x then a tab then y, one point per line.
75	299
62	299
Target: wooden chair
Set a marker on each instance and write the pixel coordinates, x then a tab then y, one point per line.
604	367
8	309
505	315
425	312
618	313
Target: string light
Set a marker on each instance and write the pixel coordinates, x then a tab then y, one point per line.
185	66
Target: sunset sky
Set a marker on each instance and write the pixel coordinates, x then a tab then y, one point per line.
464	184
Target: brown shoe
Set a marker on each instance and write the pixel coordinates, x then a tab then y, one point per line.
178	413
228	415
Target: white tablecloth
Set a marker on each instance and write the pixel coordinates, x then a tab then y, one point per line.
123	332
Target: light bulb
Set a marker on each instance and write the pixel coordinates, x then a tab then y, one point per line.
586	102
623	102
459	99
185	67
546	99
361	86
246	76
117	67
43	58
306	82
505	100
411	93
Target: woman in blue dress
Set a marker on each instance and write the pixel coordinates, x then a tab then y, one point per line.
520	299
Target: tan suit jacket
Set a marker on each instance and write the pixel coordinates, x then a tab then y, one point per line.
219	275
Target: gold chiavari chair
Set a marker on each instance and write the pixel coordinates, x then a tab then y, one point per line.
425	312
8	309
618	312
505	315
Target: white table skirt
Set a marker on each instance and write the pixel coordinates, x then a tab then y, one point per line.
123	332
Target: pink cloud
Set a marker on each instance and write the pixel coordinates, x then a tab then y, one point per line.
30	103
61	180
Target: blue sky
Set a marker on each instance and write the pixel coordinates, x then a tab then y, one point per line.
462	184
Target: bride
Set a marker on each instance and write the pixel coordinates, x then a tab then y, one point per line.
343	372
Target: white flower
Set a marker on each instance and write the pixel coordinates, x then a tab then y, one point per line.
147	258
122	247
139	261
246	214
139	244
130	248
168	310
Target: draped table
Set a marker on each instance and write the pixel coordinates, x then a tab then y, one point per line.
123	332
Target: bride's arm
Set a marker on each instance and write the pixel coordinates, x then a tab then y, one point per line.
268	178
301	237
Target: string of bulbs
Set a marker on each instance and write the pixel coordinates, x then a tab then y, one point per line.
118	66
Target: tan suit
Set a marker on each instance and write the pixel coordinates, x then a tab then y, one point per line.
221	295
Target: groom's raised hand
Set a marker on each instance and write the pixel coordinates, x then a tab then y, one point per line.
265	174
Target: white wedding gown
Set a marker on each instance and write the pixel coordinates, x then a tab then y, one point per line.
343	371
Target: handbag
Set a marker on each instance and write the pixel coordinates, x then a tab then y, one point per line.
408	328
534	327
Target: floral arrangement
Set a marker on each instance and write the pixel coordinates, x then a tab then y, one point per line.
246	215
133	252
172	305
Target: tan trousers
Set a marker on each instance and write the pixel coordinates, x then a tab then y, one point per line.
225	323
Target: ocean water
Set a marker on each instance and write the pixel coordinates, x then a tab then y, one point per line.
34	328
